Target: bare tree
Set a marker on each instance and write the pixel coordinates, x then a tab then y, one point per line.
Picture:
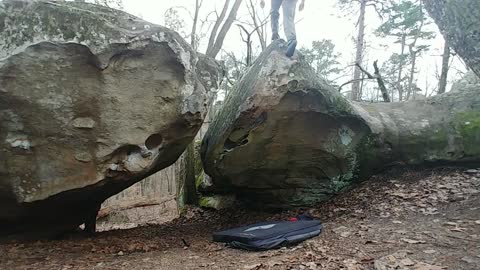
376	76
258	23
248	42
377	5
215	42
193	35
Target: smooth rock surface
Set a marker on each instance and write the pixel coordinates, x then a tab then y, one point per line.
92	100
285	138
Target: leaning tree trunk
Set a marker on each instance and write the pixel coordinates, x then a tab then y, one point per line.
459	21
285	138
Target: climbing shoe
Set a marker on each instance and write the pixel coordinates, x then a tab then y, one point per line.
292	44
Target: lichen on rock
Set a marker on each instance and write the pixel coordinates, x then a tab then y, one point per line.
92	101
285	138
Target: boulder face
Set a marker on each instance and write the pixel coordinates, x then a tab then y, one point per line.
285	138
459	20
92	100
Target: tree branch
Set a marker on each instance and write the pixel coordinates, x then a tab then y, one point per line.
216	26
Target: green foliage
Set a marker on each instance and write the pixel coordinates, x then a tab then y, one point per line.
405	22
174	21
404	19
390	70
323	58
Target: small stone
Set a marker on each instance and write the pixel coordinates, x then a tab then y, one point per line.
339	229
429	251
477	222
120	253
407	262
397	222
470	260
253	266
391	258
472	171
83	157
83	122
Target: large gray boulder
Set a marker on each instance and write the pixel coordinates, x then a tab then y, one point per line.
285	138
459	22
92	100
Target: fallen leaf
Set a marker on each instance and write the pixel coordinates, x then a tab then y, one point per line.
426	266
274	263
371	242
253	266
451	223
367	260
413	241
407	262
472	171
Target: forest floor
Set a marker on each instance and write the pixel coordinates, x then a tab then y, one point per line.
425	219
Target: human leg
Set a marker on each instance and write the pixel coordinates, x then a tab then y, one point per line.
289	7
275	13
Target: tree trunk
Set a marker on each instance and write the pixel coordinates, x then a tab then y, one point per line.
400	69
283	138
445	66
189	190
193	35
413	56
459	22
224	30
380	82
359	53
216	26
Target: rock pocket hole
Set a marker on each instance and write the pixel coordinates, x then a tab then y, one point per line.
229	144
153	141
292	85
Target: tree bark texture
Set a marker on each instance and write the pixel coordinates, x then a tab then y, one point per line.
359	51
442	86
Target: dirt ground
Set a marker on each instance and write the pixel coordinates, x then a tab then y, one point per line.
402	219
